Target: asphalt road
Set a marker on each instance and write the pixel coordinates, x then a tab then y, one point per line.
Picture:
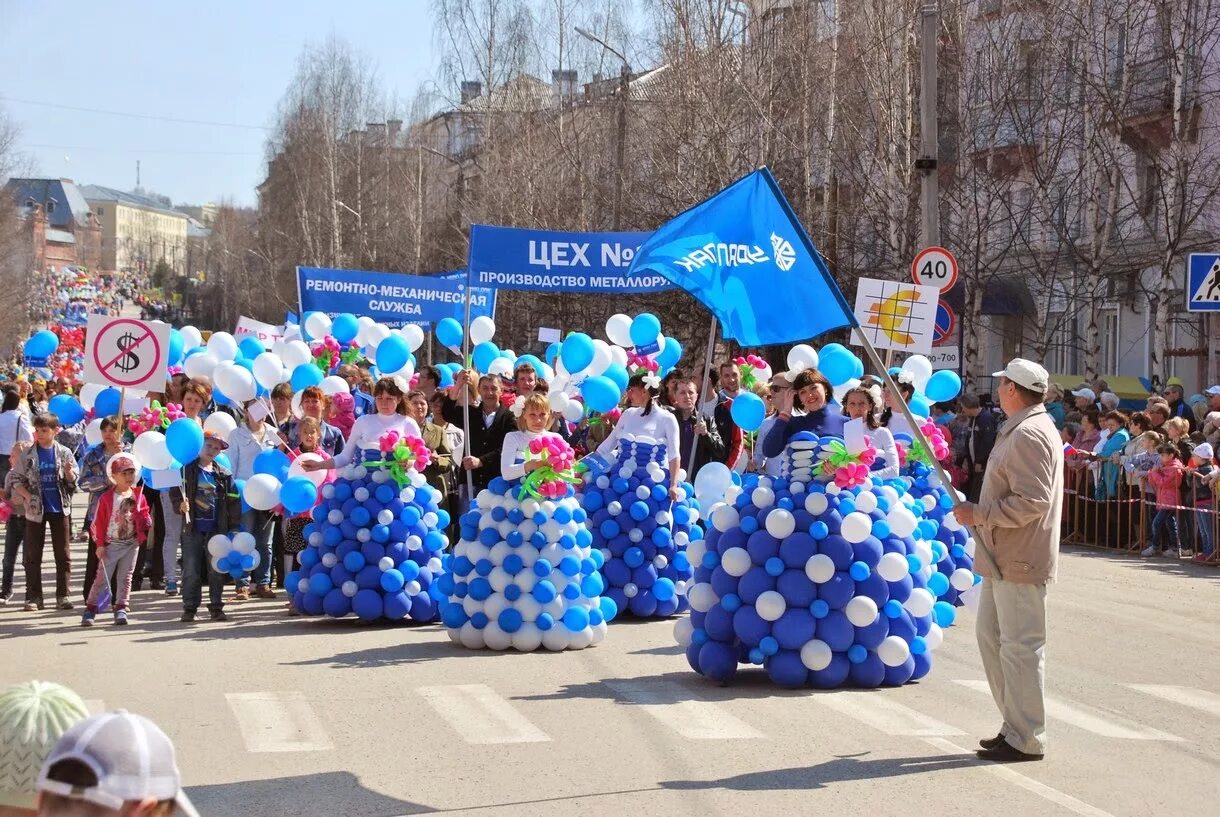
276	715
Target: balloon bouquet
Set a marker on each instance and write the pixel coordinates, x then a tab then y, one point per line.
825	576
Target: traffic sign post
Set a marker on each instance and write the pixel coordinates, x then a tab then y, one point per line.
945	330
126	353
935	267
1203	282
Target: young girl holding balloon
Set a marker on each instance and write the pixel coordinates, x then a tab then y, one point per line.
309	433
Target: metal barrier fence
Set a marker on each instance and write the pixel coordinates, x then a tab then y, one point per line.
1122	521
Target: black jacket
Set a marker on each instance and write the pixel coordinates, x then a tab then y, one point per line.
983	431
485	441
708	447
228	504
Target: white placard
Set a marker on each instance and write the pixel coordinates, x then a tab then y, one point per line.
164	480
265	332
547	335
853	436
896	315
126	353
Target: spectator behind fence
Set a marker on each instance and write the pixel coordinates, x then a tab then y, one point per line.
1202	477
1175	395
33	715
1111	455
1178	430
1108	401
114	764
1054	405
1086	440
1166	479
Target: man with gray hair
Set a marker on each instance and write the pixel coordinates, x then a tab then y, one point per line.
1017	518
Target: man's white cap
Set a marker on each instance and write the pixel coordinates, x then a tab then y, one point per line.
1089	393
1212	390
131	757
1028	374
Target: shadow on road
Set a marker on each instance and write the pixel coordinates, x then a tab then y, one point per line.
839	770
322	793
750	684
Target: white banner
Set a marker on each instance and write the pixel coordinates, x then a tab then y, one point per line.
896	315
126	353
265	332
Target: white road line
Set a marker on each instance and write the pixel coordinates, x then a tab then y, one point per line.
883	714
1106	724
671	704
1017	779
278	722
481	716
1200	699
96	706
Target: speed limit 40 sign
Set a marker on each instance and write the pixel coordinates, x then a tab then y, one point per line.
935	267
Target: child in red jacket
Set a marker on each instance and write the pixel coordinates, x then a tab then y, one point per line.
1166	479
120	525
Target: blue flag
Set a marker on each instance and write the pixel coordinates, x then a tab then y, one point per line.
744	255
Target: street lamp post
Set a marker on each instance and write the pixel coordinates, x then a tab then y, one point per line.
620	147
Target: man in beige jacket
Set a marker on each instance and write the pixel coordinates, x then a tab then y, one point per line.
1017	519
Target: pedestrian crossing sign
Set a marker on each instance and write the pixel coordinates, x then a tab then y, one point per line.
1203	282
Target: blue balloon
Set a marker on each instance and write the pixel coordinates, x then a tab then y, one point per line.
345	327
919	406
250	347
304	376
644	329
576	352
393	353
177	347
552	352
449	333
943	386
838	366
184	439
298	494
446	377
670	354
67	408
107	402
41	344
600	393
748	411
222	459
484	355
367	605
618	373
273	462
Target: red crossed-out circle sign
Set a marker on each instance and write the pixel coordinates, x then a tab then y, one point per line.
126	352
946	324
935	267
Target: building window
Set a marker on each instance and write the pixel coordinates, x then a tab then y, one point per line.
1109	324
50	208
101	211
1148	186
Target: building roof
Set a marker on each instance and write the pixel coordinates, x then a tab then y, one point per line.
69	203
94	192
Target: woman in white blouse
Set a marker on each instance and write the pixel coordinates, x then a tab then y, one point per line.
390	398
535	417
864	403
646	418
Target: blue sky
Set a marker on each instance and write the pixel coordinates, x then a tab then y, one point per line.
225	61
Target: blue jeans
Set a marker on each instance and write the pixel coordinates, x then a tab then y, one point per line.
1205	522
1168	520
261	525
195	564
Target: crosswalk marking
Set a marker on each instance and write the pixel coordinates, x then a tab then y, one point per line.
671	704
481	716
1106	724
883	714
1200	699
1044	791
278	722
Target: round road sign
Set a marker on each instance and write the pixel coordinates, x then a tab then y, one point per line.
935	267
946	324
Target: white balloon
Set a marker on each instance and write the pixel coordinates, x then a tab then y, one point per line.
725	518
93	432
574	411
893	651
269	370
935	637
961	579
701	596
294	353
771	605
820	568
618	355
222	345
150	449
482	329
602	358
413	335
920	369
333	384
683	631
200	366
262	492
893	566
558	401
297	469
375	335
363	324
736	561
501	367
220	424
856	527
861	611
816	655
816	504
191	338
902	522
236	382
243	542
920	602
618	329
317	325
802	356
218	546
89	393
780	523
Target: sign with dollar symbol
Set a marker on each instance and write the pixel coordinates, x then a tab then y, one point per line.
126	353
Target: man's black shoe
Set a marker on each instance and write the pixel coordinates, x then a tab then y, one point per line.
219	615
1005	753
991	743
187	616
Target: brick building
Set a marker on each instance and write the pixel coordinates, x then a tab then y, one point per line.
63	230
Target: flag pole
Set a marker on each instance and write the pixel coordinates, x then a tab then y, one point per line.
707	372
466	390
918	432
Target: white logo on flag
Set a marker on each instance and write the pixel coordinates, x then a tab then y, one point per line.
785	256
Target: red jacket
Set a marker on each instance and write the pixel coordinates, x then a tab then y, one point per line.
1166	479
105	506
